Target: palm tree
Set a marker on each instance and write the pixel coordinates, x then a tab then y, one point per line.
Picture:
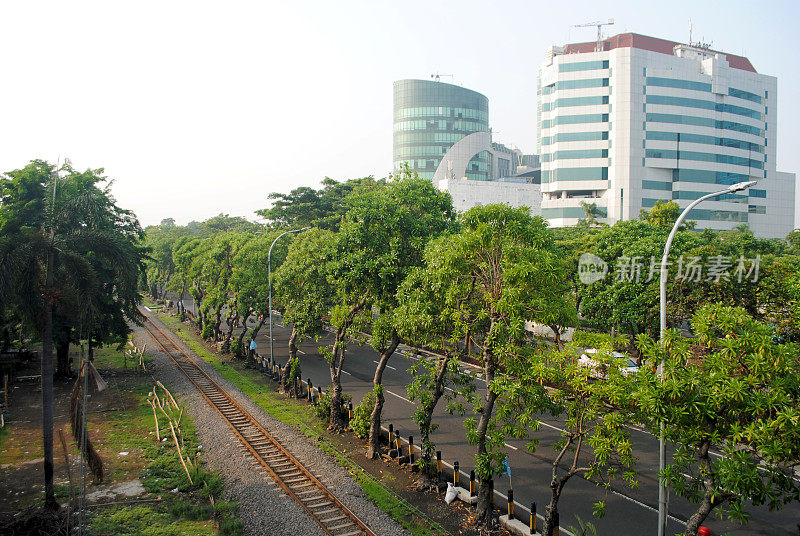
65	247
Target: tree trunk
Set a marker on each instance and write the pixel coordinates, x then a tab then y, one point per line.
258	327
233	318
483	510
47	388
374	439
708	503
557	335
63	365
428	409
284	385
337	422
551	516
240	340
217	323
705	508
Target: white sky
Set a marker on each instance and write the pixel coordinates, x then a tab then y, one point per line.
196	108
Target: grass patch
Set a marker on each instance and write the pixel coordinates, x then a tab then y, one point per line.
253	384
191	511
147	521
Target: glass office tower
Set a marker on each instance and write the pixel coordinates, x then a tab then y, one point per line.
429	117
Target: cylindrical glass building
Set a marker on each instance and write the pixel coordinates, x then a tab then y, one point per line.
431	116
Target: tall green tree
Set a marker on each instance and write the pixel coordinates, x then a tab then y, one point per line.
498	272
594	439
307	207
303	290
737	393
395	223
69	252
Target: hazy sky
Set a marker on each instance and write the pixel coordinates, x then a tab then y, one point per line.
196	108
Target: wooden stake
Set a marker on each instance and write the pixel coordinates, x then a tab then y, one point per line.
180	456
155	416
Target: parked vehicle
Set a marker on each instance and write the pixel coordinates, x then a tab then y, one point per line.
589	359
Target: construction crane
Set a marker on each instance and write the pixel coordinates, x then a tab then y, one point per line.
437	76
599	31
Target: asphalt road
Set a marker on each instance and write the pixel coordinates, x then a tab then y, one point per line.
628	511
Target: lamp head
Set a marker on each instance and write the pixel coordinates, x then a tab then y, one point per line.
739	186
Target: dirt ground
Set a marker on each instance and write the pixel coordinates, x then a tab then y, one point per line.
21	451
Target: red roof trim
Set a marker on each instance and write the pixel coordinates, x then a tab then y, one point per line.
653	44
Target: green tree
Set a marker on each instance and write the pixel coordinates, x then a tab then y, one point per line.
422	318
740	396
68	252
663	214
303	290
595	439
382	235
307	207
499	271
628	296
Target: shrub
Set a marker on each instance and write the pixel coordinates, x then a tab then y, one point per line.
323	409
362	413
208	331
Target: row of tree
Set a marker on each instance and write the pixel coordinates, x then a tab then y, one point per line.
70	265
390	259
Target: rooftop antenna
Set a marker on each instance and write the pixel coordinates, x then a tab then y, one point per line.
437	76
599	25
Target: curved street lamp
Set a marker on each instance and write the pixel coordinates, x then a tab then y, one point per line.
269	275
662	449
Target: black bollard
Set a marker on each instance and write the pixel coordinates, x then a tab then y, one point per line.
310	391
438	465
472	483
391	435
350	411
456	474
411	450
510	504
533	518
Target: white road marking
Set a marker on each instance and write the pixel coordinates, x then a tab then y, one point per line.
511	446
631	499
387	366
398	396
551	426
345	372
302	352
146	307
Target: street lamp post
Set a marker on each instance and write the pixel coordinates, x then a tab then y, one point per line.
269	284
662	449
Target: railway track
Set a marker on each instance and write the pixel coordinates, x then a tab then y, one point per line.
332	516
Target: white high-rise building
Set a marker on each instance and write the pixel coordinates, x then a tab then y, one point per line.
638	119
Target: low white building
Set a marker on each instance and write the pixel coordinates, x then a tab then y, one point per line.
514	192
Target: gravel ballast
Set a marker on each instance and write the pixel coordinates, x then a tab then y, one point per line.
263	506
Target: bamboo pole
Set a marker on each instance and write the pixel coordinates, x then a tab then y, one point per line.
180	456
175	404
155	416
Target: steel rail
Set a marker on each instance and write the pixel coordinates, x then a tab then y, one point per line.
290	474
